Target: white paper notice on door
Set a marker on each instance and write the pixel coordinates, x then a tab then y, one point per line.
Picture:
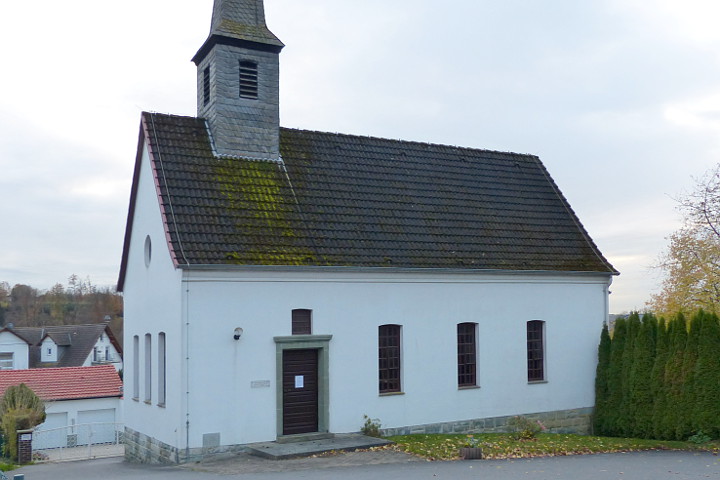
299	381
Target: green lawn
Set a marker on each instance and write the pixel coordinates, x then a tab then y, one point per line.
503	445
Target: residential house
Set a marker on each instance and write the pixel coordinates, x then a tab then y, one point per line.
280	284
59	346
74	398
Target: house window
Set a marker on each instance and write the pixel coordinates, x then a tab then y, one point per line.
49	351
206	86
536	350
161	369
389	358
248	80
148	368
301	322
95	354
467	356
6	361
136	368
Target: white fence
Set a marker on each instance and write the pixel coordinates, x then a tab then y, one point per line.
76	440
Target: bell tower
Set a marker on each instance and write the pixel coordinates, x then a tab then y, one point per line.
238	81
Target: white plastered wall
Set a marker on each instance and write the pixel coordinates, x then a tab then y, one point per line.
225	374
152	305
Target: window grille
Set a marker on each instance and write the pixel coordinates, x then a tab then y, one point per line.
535	351
467	361
389	358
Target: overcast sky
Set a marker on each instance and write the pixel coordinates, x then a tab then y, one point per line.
619	98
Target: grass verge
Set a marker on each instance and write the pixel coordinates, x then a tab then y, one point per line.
503	445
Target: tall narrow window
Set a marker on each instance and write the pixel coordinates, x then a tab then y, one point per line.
136	368
389	358
161	370
206	86
536	350
148	368
301	321
248	80
467	357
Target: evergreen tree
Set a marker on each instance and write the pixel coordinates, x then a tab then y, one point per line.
706	379
677	340
685	426
625	418
609	423
659	389
640	406
601	379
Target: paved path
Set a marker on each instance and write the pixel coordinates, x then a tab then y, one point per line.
373	465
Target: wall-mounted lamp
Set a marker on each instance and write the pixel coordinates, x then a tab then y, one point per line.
238	333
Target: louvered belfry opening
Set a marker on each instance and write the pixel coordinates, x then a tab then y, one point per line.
248	80
206	85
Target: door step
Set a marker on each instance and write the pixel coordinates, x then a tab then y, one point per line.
347	442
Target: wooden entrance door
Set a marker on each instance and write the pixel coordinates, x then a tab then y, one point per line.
300	391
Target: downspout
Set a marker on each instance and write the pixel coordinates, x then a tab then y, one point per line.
186	282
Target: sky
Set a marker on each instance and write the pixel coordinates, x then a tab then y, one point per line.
619	98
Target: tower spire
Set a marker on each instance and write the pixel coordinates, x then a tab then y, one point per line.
238	81
242	20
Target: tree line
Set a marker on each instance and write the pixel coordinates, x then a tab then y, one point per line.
658	379
77	302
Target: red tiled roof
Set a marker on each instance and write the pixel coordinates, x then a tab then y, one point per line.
69	383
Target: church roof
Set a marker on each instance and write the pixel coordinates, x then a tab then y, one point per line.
343	200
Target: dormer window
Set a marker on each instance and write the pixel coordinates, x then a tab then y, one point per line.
248	80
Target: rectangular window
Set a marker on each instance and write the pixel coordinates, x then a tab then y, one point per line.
6	361
148	368
136	368
161	369
467	356
206	86
536	350
389	358
301	322
248	80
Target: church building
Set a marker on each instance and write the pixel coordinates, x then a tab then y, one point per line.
282	284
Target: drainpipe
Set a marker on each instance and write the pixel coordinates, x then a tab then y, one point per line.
186	282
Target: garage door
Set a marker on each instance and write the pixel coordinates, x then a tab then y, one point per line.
52	433
96	426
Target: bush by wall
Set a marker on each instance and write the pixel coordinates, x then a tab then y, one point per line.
659	380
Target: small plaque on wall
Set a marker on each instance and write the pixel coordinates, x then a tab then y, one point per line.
260	384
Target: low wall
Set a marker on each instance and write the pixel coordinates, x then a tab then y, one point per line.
144	449
578	420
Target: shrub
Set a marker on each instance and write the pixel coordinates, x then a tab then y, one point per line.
20	409
524	428
371	427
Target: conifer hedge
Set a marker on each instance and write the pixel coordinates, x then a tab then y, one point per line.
659	380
